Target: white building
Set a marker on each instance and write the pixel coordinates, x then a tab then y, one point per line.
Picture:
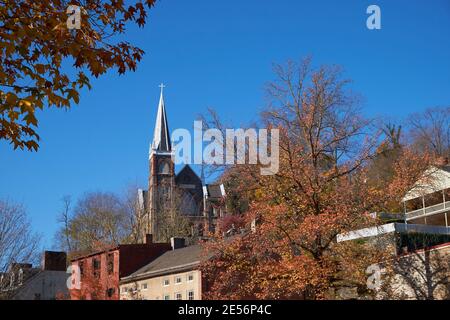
428	202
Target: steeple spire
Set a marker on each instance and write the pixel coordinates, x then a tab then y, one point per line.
161	136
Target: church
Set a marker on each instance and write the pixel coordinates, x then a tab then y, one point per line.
170	196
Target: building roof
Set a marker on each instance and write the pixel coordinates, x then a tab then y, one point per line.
187	175
95	253
18	280
172	261
161	137
435	178
215	191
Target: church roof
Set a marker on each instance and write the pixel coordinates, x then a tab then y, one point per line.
161	136
187	175
215	191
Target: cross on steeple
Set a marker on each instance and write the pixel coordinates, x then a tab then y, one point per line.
162	86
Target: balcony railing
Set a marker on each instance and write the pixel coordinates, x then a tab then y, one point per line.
427	211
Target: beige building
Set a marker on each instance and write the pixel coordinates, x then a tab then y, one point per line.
172	276
22	281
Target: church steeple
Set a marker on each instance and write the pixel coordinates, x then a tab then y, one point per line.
161	136
161	180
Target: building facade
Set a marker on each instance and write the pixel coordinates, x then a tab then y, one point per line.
175	275
22	281
100	272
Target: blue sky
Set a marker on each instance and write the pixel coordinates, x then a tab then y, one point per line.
219	54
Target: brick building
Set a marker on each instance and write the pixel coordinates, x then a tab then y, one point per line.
101	271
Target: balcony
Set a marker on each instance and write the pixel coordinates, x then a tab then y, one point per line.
428	211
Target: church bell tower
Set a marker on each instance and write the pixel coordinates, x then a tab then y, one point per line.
162	170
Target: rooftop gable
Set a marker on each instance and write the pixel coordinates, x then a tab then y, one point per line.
435	178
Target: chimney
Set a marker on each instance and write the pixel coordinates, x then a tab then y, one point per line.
148	239
177	243
54	261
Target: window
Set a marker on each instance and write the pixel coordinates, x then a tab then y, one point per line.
124	289
177	280
189	204
144	286
164	168
96	267
81	266
20	276
191	295
110	263
178	296
190	277
11	280
166	282
110	292
166	297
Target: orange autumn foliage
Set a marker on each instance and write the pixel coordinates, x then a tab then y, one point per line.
35	42
321	190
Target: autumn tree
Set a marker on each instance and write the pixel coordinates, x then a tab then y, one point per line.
97	220
36	44
319	192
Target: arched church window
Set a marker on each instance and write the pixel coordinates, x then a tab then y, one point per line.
11	279
20	276
188	206
164	168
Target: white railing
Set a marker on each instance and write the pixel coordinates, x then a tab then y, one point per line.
391	228
438	208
